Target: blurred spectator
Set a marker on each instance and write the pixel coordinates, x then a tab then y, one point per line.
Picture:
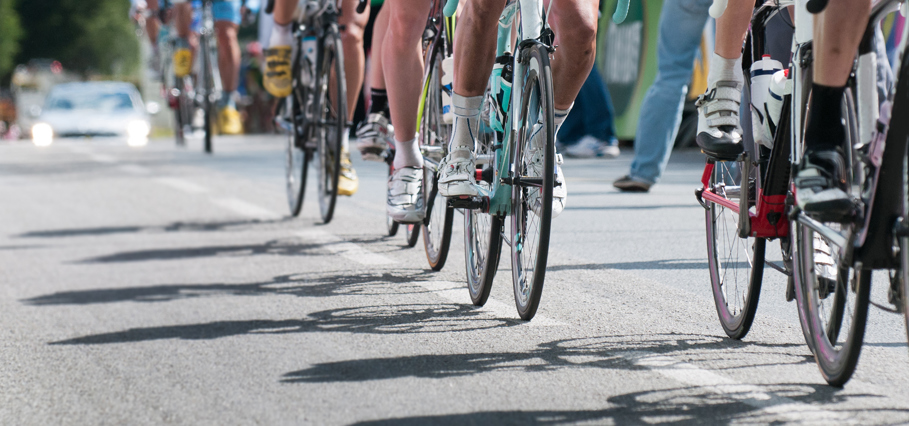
588	130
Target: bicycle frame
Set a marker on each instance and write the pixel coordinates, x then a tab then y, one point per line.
533	29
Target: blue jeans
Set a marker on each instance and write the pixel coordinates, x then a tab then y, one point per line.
681	26
591	114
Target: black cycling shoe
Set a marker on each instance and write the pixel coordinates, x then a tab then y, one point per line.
718	119
821	187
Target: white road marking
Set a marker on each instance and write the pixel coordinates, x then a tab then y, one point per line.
102	158
345	249
752	395
182	185
245	208
134	169
457	292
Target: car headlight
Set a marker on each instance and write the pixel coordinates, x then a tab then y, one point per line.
42	134
137	132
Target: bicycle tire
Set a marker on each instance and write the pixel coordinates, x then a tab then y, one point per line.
209	86
434	132
836	355
482	251
532	203
390	224
332	119
297	157
722	230
413	234
483	231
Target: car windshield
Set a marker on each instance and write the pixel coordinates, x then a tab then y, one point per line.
90	101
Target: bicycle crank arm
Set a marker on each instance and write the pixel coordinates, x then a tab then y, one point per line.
470	203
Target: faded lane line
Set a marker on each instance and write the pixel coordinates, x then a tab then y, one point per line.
134	169
345	249
182	185
102	158
245	208
752	395
457	293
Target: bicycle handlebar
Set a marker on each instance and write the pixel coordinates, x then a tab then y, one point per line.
621	12
816	6
717	8
451	6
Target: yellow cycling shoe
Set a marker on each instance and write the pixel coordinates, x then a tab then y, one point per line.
229	121
183	62
348	183
277	71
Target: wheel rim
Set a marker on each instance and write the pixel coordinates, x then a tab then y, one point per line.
531	206
731	257
295	158
434	132
332	120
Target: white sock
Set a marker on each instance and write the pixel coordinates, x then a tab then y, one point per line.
722	69
466	121
345	140
407	154
281	35
558	117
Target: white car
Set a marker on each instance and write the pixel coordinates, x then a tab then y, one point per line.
93	109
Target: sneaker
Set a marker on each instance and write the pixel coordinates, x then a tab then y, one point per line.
719	135
559	192
405	195
629	184
587	147
610	149
183	62
458	174
373	136
820	186
229	121
277	71
348	183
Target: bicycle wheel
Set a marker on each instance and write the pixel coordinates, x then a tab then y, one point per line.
390	223
835	296
297	155
534	175
413	234
482	231
332	120
434	134
208	89
736	264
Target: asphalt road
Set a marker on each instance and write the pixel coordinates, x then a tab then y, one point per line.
161	285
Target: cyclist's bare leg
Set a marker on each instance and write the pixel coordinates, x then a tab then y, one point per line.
183	55
821	181
152	24
353	24
380	28
475	46
228	55
403	66
575	26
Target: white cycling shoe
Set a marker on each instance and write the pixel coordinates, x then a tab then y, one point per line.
405	195
536	156
458	174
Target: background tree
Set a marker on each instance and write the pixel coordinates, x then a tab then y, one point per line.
94	36
10	34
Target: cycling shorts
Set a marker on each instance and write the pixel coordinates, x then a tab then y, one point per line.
222	10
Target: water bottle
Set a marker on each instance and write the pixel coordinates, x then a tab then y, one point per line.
780	86
502	74
309	46
447	73
761	73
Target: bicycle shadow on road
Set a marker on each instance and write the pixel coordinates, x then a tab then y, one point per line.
674	264
695	405
384	319
312	284
609	352
180	226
